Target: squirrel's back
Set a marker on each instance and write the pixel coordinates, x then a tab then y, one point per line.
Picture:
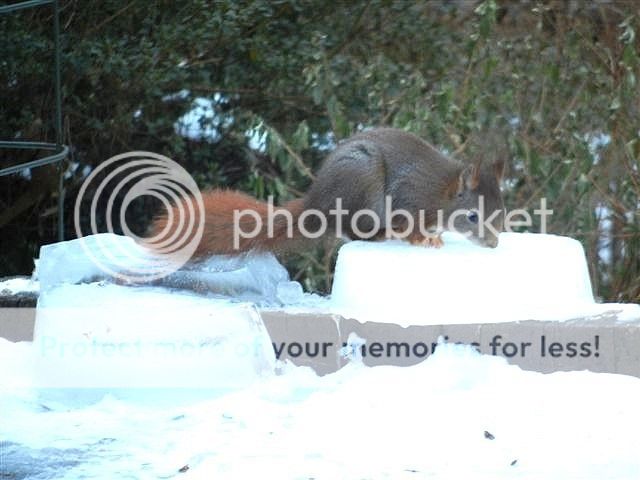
361	174
384	162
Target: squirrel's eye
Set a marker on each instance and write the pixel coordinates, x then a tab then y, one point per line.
472	216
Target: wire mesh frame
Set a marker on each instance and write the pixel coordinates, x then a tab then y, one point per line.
60	151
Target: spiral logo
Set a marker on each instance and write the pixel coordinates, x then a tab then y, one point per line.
138	174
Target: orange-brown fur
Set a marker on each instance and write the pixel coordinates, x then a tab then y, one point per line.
219	207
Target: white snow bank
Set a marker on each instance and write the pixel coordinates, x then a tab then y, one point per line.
457	415
102	337
528	276
13	286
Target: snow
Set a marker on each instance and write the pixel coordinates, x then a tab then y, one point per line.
168	382
201	122
528	276
257	138
596	141
204	119
13	286
425	421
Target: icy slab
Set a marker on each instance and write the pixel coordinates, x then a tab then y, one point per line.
88	258
528	276
258	278
99	338
254	277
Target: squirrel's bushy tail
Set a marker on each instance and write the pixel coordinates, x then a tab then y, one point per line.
227	230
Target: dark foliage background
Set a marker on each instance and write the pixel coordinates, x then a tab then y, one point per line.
540	82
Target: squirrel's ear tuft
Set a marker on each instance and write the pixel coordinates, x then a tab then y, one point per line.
468	179
472	179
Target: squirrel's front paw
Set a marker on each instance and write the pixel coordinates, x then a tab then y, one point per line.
428	240
436	241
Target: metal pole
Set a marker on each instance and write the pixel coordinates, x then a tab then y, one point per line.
58	119
61	151
22	5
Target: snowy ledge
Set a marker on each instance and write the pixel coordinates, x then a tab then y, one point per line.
527	277
205	376
529	300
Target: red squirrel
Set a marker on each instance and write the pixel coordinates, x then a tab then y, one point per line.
382	171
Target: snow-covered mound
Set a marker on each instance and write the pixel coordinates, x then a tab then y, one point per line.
528	276
458	415
16	285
